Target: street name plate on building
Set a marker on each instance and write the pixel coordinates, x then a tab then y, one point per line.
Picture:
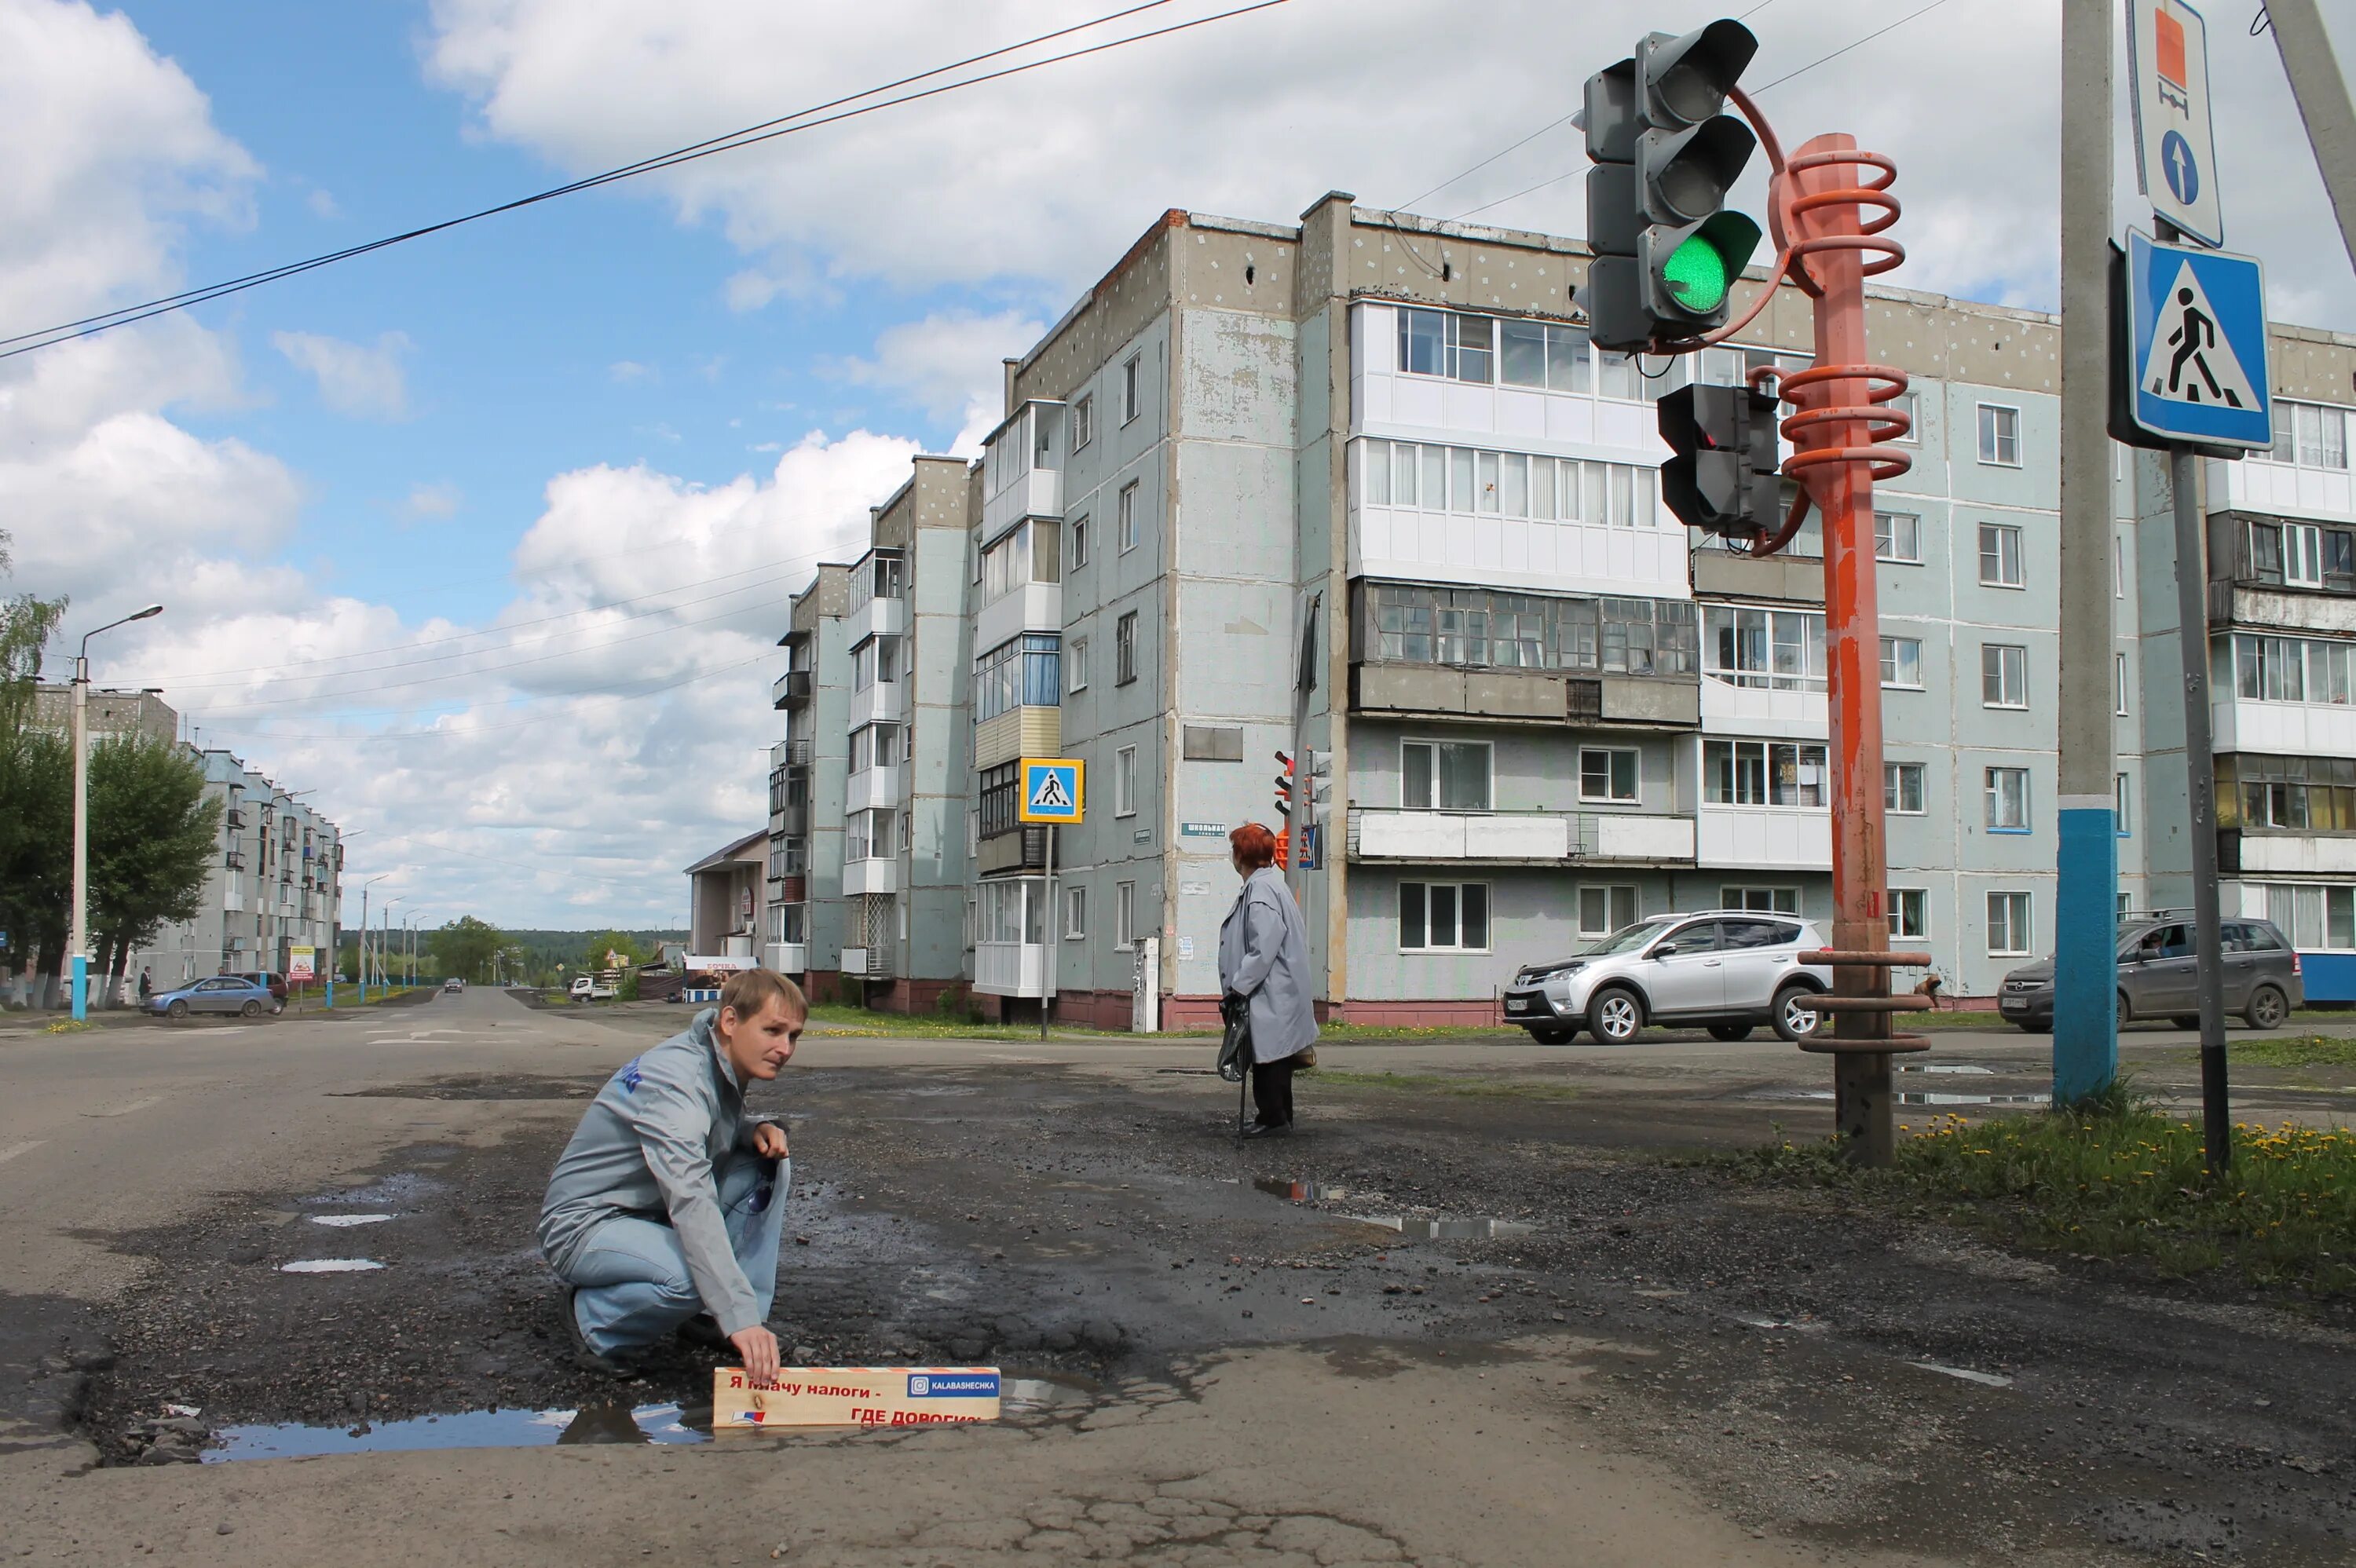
2176	149
2197	345
1202	829
1053	790
854	1396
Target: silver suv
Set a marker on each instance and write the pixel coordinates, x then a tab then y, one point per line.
1727	970
2158	978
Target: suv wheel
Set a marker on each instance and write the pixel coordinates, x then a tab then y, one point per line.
2268	1008
1554	1036
1796	1016
1614	1015
1729	1031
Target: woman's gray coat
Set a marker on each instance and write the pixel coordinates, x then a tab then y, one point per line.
1264	954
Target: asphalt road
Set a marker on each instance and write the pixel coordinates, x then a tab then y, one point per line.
1247	1354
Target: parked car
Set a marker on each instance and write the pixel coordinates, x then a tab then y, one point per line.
273	982
2159	977
217	994
588	988
1726	970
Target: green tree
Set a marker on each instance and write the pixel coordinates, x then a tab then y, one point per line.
36	791
463	947
153	833
595	951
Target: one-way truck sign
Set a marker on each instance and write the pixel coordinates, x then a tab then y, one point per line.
2195	347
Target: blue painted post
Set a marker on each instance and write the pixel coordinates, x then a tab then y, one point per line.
2086	950
80	987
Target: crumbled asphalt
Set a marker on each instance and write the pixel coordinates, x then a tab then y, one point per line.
1780	1345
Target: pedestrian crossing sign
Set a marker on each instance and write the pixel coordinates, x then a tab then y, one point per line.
2197	345
1053	790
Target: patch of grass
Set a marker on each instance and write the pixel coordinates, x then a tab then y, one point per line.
2295	1050
1454	1085
841	1018
2126	1182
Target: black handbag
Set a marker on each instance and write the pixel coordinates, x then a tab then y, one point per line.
1235	1043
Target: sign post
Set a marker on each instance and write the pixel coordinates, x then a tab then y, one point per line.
2194	381
302	968
1054	792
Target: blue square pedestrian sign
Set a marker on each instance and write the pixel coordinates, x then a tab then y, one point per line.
2197	345
1053	790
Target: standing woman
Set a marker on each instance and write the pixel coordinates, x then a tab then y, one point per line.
1264	967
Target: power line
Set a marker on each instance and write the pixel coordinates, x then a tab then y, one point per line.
26	342
1845	49
1409	203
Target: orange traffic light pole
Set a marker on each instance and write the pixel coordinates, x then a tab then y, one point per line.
1829	208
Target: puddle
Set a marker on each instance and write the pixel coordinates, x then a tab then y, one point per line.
399	1192
1478	1228
469	1429
330	1266
1946	1067
1798	1326
341	1221
1986	1379
544	1428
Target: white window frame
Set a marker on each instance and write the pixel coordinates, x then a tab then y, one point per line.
1076	666
1124	782
2302	555
1124	916
1891	538
1635	756
1133	399
1893	789
1749	897
1075	915
1124	649
1995	436
2122	804
1893	668
1125	531
2010	673
2020	909
1610	894
2119	685
1431	746
1424	891
1992	798
1909	912
1769	755
2002	534
1911	405
1078	540
1084	421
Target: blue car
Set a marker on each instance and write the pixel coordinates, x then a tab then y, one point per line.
220	994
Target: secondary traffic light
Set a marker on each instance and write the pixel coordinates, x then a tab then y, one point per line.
1666	251
1284	786
1319	806
1721	475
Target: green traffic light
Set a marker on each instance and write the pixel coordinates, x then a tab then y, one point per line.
1697	275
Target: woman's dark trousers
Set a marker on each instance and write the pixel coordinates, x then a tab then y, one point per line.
1272	1084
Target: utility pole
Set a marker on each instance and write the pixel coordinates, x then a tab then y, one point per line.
2320	86
2085	925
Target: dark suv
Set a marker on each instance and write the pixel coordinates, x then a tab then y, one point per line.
270	978
2158	976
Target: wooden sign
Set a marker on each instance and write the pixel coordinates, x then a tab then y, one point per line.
854	1396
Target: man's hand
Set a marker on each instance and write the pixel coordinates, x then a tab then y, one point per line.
769	1141
758	1347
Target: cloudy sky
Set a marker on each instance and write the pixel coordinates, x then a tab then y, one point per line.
488	537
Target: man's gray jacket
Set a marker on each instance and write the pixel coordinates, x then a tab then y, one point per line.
645	1151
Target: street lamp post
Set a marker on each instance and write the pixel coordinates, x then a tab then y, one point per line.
78	940
359	948
384	942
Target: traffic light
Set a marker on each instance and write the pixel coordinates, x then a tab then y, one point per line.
1666	251
1284	786
1722	473
1319	805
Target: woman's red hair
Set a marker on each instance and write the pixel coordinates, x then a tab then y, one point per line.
1255	844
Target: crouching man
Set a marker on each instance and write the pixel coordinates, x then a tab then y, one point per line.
667	1202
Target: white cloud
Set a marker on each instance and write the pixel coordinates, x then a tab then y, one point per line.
368	383
442	499
1050	176
950	364
322	204
623	371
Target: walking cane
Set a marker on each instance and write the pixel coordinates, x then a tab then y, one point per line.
1243	1084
